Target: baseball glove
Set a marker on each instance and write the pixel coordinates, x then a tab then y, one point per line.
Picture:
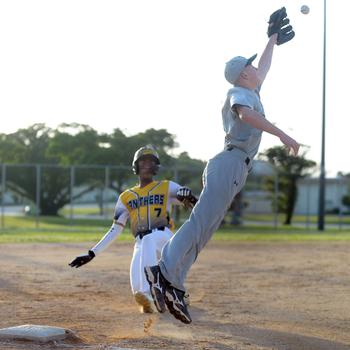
184	195
82	259
276	21
286	34
279	24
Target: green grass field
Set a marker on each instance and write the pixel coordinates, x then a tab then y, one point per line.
301	219
62	230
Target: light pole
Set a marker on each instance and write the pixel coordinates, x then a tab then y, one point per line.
322	184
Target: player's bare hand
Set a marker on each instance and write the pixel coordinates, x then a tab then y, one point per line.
292	145
82	259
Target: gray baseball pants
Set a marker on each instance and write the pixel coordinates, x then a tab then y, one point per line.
223	177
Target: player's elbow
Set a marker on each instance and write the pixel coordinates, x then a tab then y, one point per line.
243	112
249	116
245	118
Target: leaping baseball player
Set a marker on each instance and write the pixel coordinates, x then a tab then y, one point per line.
147	206
244	121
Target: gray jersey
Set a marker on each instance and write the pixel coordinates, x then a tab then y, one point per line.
223	177
239	134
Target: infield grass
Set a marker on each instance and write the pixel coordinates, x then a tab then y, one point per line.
62	230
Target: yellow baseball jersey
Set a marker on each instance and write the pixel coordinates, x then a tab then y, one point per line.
147	207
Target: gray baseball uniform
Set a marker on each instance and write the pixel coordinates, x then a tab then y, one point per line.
223	177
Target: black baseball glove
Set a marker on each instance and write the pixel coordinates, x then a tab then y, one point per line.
184	195
286	34
279	24
82	259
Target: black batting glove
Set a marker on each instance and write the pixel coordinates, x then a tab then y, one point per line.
183	193
82	259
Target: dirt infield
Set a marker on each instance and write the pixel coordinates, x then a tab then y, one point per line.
244	296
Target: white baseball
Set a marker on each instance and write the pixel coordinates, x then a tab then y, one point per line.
305	9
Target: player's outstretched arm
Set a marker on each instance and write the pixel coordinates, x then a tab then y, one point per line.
114	231
257	121
279	32
266	59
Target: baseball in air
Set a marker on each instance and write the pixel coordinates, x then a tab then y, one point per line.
305	9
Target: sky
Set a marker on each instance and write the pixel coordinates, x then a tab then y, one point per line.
140	64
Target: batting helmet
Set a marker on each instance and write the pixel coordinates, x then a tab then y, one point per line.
145	151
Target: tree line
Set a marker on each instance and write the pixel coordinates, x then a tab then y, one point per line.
80	144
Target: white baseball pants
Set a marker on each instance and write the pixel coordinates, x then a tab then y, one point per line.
147	252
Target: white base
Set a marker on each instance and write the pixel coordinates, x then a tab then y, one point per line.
35	333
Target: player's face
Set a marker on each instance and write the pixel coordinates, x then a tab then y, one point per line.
251	75
146	165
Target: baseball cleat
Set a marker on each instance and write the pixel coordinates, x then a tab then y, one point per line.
175	301
157	285
145	302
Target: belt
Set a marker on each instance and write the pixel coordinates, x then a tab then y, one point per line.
142	234
230	148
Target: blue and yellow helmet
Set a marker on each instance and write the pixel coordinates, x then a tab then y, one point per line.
145	151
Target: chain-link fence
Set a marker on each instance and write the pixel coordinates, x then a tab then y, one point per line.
74	192
91	191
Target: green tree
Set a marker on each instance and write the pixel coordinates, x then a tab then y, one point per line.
189	172
121	149
56	150
346	198
36	145
289	170
75	144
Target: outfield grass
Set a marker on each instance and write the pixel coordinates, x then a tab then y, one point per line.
62	230
55	236
300	219
286	234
